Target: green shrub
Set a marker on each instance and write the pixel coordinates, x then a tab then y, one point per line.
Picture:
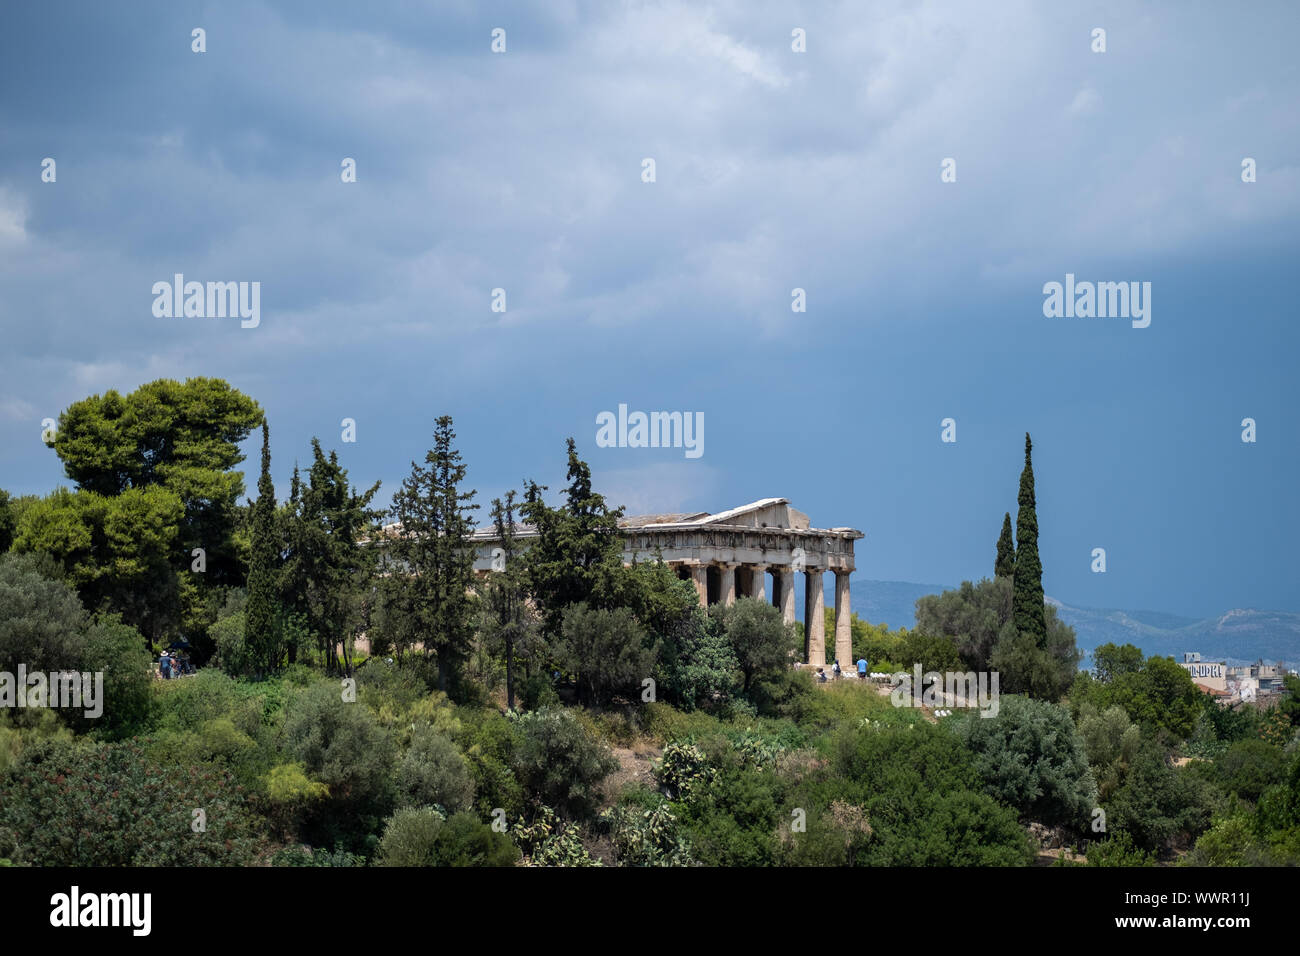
683	771
108	805
488	740
1159	805
342	746
537	692
918	787
547	841
649	836
609	651
423	837
303	855
432	771
1118	850
664	723
1031	757
1249	767
189	704
118	651
234	655
560	763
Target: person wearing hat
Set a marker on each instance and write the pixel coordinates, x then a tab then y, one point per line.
165	666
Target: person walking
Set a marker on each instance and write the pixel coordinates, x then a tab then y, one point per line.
862	668
836	669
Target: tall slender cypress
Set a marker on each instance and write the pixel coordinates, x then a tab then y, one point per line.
1005	565
1030	615
263	570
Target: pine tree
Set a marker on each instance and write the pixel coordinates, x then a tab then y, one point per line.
1029	614
263	570
330	568
577	555
428	599
1005	565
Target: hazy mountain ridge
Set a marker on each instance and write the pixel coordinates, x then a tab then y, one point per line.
1239	634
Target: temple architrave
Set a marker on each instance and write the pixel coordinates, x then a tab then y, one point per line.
751	551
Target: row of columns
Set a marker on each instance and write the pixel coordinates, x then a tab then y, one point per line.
814	608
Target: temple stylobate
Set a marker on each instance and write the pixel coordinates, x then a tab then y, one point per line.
751	551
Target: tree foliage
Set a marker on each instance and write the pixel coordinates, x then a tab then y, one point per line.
421	836
109	805
428	557
329	567
760	639
1004	566
609	652
261	634
559	763
1153	691
1031	757
179	437
577	556
1028	600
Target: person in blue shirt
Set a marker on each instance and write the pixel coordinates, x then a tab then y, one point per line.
862	668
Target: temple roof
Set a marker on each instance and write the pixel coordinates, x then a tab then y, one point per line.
774	513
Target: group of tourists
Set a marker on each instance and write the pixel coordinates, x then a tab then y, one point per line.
173	665
837	673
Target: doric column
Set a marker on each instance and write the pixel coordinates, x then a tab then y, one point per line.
785	588
727	592
700	578
843	622
758	581
814	619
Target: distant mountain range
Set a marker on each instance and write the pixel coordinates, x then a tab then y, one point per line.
1239	635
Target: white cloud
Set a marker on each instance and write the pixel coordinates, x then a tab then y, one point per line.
17	410
661	487
1086	101
13	219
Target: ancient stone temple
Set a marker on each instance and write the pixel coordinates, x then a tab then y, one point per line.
751	551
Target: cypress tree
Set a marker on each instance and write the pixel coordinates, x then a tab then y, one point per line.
1005	565
1030	615
263	584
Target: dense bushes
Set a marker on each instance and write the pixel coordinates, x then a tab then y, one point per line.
978	621
342	746
609	652
109	805
1159	805
759	766
1155	692
1030	757
44	628
560	763
921	794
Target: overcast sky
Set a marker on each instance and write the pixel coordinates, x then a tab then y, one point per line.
774	170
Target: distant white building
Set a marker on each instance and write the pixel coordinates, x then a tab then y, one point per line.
1212	675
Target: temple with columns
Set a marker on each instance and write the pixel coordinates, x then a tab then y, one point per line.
731	554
